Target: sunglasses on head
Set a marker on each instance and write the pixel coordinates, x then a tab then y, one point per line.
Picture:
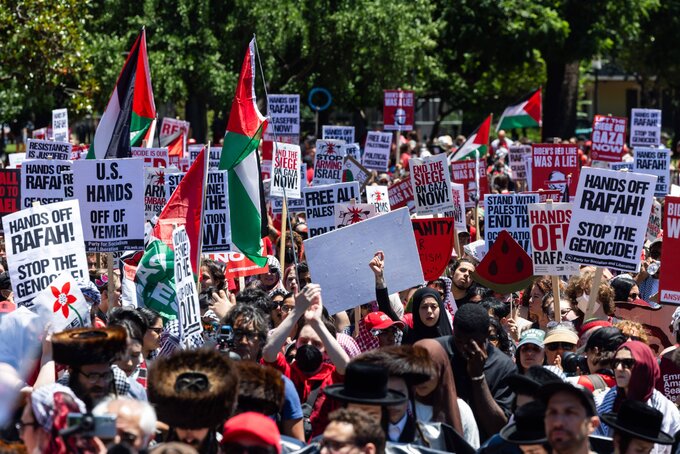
557	345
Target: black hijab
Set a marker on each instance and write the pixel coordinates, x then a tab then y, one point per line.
420	331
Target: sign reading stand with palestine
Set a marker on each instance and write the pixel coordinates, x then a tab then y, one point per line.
377	150
111	196
189	312
431	184
47	149
654	161
508	212
328	162
320	204
645	128
549	226
42	181
609	136
609	219
669	284
398	110
286	175
344	133
43	242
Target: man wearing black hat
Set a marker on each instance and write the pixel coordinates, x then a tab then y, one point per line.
528	430
637	427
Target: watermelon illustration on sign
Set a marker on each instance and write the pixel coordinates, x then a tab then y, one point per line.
506	268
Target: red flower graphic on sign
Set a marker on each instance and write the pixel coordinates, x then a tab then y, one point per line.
377	196
160	177
63	299
331	148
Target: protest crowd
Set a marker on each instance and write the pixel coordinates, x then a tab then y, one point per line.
342	295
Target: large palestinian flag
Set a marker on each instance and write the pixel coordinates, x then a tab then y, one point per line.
130	114
478	141
525	114
239	156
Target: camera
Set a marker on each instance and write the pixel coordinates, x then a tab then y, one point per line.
572	362
225	342
87	425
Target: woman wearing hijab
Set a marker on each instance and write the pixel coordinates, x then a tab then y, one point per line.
436	400
636	371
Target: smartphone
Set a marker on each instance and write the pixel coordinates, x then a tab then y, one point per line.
93	426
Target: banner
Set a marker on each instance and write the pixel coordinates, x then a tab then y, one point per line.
327	163
398	110
189	312
41	181
435	239
549	224
609	219
286	176
645	128
43	242
62	305
353	171
458	213
401	195
377	195
60	125
508	212
47	149
654	224
463	172
352	213
320	204
10	191
554	166
153	157
284	116
431	184
111	196
609	136
377	150
669	284
516	155
238	265
654	161
216	216
344	133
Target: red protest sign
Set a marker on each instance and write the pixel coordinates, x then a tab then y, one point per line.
554	166
10	191
401	195
669	284
609	135
463	172
238	265
398	110
667	383
435	238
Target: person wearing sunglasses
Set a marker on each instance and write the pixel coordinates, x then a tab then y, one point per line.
636	371
558	341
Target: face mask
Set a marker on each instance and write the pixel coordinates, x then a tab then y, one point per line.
308	358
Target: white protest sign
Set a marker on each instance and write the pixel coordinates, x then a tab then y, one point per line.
60	125
609	218
654	161
458	213
16	159
549	225
345	133
153	157
62	304
294	205
284	116
67	184
645	127
320	204
216	220
377	150
431	184
353	171
377	195
654	225
629	166
170	126
47	149
172	180
111	196
155	196
286	174
352	149
328	162
516	158
43	242
189	312
214	160
352	213
391	232
41	181
508	212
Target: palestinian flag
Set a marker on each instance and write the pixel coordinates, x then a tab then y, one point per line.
478	140
176	144
246	124
130	115
525	114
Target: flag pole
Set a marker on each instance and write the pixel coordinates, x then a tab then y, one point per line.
206	162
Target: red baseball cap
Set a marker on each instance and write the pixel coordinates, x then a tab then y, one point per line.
380	320
251	426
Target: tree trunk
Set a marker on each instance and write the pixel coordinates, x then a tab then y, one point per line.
561	95
197	114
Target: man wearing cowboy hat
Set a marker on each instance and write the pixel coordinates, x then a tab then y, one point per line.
637	427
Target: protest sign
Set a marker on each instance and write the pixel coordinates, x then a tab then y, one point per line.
41	181
431	184
554	166
238	265
328	162
284	116
401	195
353	171
111	196
286	176
43	242
352	213
265	171
153	157
669	284
377	150
516	155
654	224
189	312
609	218
508	212
172	180
391	233
463	172
62	305
549	224
645	128
60	125
216	218
527	169
16	159
294	205
67	184
344	133
609	136
377	195
629	166
654	161
435	238
171	126
398	110
155	196
10	191
544	196
47	149
42	133
458	213
669	381
214	160
352	149
320	204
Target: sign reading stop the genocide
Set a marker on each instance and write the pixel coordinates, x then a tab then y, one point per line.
609	136
398	110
